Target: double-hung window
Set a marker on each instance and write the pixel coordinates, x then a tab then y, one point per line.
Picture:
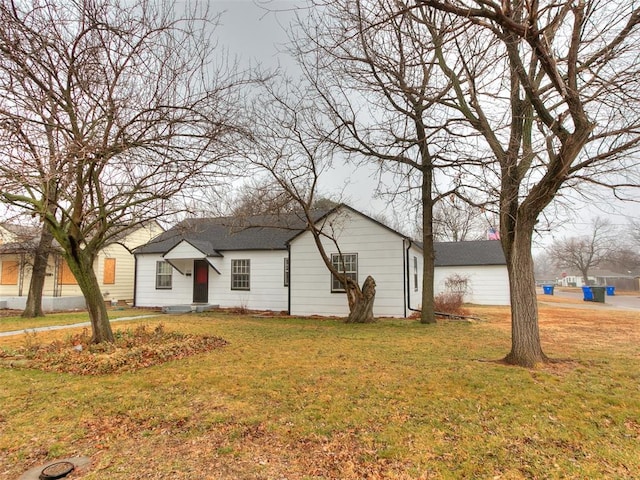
347	264
240	274
164	273
286	272
415	274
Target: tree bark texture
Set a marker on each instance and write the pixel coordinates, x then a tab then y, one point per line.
82	267
427	314
33	307
361	301
526	347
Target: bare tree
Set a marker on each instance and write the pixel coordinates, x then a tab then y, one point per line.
625	250
456	221
587	252
108	109
287	145
261	196
552	87
372	69
265	196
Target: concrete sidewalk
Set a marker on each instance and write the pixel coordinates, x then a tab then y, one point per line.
72	325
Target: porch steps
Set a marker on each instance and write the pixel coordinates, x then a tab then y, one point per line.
189	308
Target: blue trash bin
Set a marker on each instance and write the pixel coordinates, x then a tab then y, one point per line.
611	290
587	293
547	289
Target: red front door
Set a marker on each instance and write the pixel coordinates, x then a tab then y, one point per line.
200	281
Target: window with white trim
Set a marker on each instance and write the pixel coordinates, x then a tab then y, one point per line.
347	263
286	272
415	274
240	274
164	273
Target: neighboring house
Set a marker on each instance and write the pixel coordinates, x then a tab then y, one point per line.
17	244
481	263
622	281
114	267
573	280
272	263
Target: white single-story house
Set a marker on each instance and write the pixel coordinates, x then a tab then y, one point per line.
272	263
114	267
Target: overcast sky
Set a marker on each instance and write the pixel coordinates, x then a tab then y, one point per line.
254	31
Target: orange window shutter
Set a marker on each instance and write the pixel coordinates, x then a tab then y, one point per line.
9	273
109	277
65	276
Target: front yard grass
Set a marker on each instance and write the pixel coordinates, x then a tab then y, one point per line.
291	398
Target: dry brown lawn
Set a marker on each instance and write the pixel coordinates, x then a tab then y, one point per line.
316	399
565	330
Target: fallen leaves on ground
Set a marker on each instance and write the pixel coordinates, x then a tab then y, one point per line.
132	350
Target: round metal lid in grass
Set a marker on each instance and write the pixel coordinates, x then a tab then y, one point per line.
56	470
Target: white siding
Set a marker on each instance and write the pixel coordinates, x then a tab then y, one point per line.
183	250
147	295
267	290
488	284
381	254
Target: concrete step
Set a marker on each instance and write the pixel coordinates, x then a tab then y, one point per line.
189	308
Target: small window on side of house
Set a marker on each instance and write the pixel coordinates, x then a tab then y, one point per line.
241	274
164	274
286	272
415	274
347	263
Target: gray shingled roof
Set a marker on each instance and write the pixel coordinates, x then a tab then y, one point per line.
214	235
479	252
270	232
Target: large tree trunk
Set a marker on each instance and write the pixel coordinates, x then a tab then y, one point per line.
428	314
33	307
361	301
82	267
526	348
